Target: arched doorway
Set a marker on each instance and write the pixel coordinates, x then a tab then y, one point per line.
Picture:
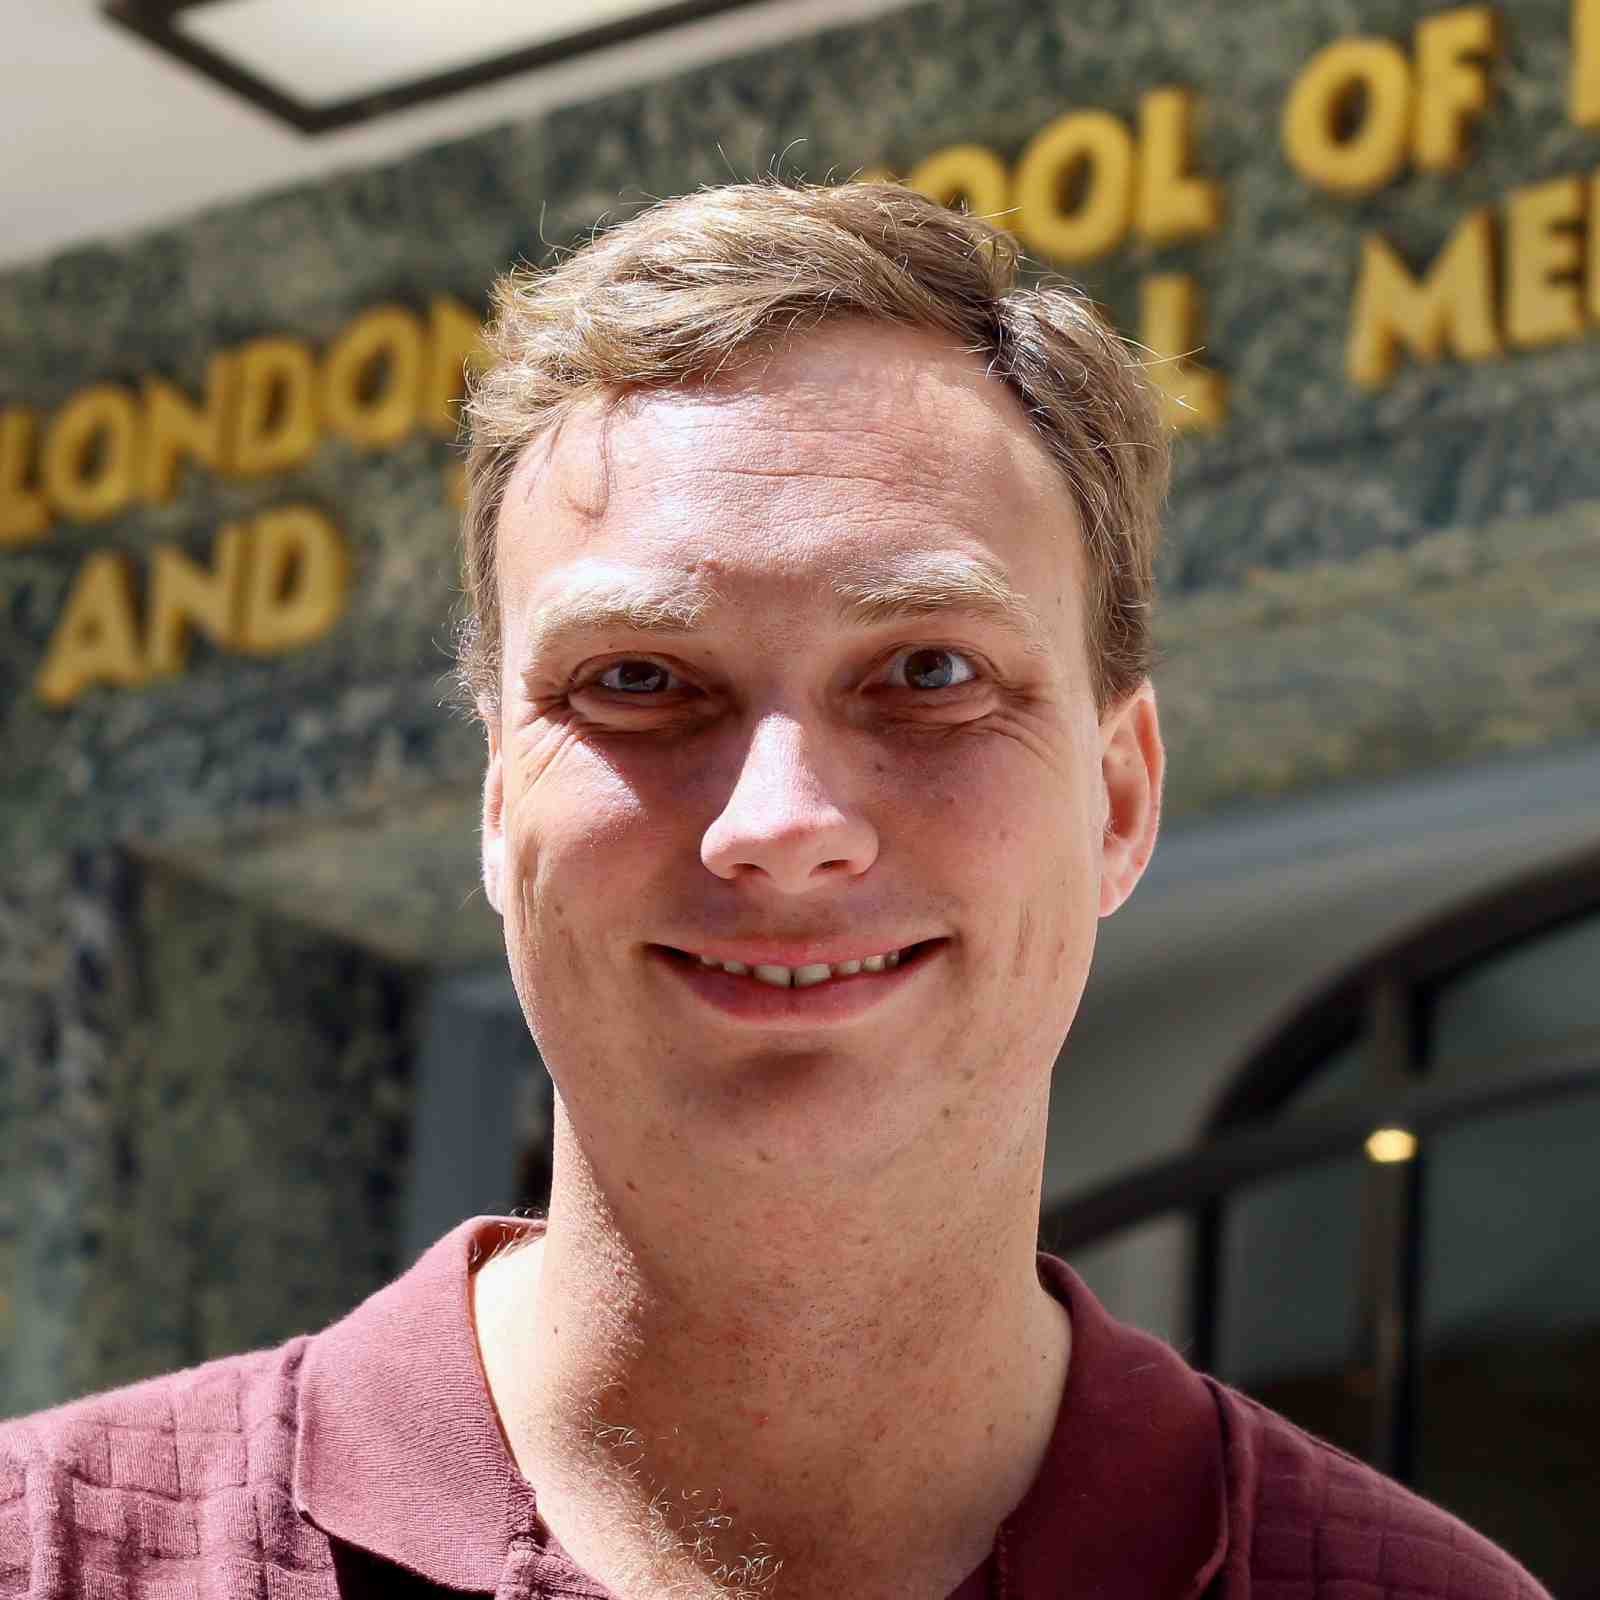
1395	1217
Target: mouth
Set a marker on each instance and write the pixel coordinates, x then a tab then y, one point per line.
798	994
811	974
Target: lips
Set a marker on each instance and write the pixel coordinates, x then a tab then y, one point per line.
743	985
810	973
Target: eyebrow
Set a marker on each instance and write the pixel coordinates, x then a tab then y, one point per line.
927	587
943	585
617	607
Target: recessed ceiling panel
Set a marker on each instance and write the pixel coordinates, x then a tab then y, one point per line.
321	54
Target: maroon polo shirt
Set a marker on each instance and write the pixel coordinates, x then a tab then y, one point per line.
368	1460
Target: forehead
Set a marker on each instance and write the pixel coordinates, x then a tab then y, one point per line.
856	443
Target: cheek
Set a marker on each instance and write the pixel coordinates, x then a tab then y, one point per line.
567	799
1020	833
576	831
996	804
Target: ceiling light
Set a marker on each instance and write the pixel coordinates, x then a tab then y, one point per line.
319	66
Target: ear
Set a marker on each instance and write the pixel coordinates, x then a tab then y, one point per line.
1132	763
494	833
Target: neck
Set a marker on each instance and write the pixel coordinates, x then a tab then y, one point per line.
752	1377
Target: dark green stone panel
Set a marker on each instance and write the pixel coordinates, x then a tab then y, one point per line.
1308	470
206	1127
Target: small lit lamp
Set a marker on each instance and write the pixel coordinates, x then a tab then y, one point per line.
1388	1145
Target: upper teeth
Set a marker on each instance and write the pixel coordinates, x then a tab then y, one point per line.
804	977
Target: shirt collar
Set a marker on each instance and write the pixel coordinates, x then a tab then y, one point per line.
1132	1496
398	1449
399	1452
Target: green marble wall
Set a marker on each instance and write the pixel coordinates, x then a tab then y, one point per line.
1308	471
196	1097
204	1114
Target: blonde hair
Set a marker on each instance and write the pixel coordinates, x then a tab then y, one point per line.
695	285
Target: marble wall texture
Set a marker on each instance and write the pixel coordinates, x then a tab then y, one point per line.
218	891
204	1123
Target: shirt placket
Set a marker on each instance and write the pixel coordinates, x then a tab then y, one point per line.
520	1577
533	1572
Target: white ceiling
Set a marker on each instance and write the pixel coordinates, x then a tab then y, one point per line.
105	135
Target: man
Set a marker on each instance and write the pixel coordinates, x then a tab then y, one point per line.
810	565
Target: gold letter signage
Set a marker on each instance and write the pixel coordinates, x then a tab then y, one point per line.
1082	186
1361	113
275	582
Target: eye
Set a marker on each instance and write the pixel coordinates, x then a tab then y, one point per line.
637	677
930	667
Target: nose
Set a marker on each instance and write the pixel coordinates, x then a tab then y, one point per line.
783	821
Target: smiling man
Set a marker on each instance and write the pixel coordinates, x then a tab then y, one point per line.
809	560
797	786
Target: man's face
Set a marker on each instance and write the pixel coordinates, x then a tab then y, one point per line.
796	678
